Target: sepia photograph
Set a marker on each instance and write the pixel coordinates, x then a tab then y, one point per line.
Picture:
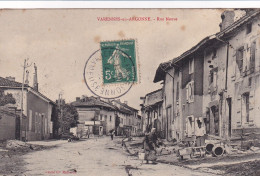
130	91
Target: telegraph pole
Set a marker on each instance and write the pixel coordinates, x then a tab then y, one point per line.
25	66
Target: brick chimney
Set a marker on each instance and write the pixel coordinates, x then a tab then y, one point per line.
35	79
10	78
227	19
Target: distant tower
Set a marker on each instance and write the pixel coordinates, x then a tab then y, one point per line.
35	80
27	80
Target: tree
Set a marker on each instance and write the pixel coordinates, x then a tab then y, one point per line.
68	117
6	99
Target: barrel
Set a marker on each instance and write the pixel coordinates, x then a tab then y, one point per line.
209	147
218	150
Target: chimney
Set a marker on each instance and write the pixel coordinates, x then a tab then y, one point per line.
10	78
227	19
26	79
35	80
77	98
125	102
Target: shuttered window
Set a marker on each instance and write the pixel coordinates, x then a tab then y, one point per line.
239	58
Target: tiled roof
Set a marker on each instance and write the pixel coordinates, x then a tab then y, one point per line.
92	102
7	83
160	72
125	105
13	84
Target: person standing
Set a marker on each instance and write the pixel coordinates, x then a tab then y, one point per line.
112	134
150	144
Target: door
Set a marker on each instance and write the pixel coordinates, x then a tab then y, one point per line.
215	116
17	128
229	102
168	123
100	130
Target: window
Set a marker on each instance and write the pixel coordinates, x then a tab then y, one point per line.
191	66
36	122
248	28
252	57
239	58
190	130
211	77
105	118
214	53
101	117
190	92
177	92
110	119
30	120
246	106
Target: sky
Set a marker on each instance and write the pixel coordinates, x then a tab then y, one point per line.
59	42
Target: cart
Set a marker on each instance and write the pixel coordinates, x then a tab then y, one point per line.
191	151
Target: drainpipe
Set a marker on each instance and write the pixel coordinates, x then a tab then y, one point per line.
227	58
226	78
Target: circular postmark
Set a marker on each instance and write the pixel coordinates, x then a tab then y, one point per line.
110	72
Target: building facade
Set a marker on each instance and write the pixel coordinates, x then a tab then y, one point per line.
95	116
152	112
211	88
37	109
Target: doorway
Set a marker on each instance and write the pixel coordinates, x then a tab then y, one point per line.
101	131
215	116
229	102
168	123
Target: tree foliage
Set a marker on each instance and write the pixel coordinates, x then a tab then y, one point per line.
68	117
6	98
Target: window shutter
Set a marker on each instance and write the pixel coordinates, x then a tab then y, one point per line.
238	116
233	76
215	80
187	93
193	126
186	125
192	91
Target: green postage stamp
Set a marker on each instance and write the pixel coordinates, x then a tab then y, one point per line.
119	61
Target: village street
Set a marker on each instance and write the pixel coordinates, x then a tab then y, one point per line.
92	157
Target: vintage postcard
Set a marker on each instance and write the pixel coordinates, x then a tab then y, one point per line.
130	92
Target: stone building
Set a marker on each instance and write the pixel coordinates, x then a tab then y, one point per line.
212	87
37	123
128	117
152	111
95	115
